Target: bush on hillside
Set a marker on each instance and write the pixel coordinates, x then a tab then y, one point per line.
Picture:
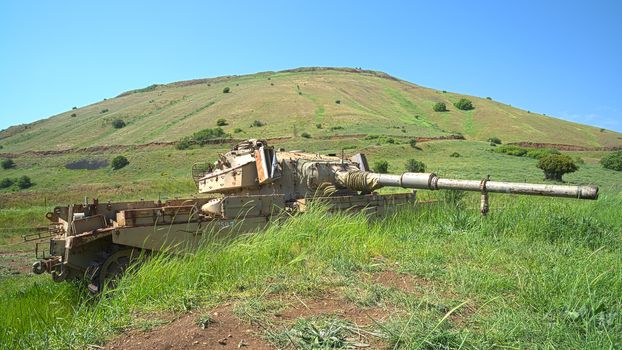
118	123
338	101
413	143
464	104
204	136
6	183
105	110
440	107
237	130
538	153
73	115
381	166
257	123
495	140
183	144
221	122
318	125
119	162
612	161
556	165
306	135
23	182
455	155
226	90
415	166
7	163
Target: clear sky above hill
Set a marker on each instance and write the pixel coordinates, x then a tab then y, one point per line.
561	58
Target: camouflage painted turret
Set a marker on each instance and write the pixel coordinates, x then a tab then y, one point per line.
243	191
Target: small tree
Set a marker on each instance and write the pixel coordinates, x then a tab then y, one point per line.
381	166
415	166
494	140
413	143
119	162
556	165
226	90
612	161
464	104
118	123
7	163
440	107
221	122
24	182
6	183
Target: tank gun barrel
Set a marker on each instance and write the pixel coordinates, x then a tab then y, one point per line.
430	181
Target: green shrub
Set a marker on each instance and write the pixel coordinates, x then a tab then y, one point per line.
1	147
440	107
221	122
338	101
415	166
73	115
413	143
495	140
204	136
556	165
306	135
612	161
118	123
183	144
105	110
338	127
455	155
257	123
7	163
74	107
318	125
119	162
381	166
226	90
6	183
237	130
23	182
538	153
512	150
464	104
489	98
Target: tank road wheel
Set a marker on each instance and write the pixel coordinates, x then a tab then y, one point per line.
113	268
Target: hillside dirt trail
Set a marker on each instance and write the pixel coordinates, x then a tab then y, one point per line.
164	144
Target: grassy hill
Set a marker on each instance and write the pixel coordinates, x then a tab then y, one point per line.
343	101
535	273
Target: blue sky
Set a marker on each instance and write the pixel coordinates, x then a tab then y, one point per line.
562	58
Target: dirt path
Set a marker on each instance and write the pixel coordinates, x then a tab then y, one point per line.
563	147
164	144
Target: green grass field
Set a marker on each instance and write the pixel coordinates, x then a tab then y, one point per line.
536	273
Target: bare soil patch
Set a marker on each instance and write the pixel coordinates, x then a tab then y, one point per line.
225	332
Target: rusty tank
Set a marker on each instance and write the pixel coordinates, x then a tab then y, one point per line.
242	191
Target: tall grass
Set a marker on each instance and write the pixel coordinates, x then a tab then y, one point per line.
535	273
